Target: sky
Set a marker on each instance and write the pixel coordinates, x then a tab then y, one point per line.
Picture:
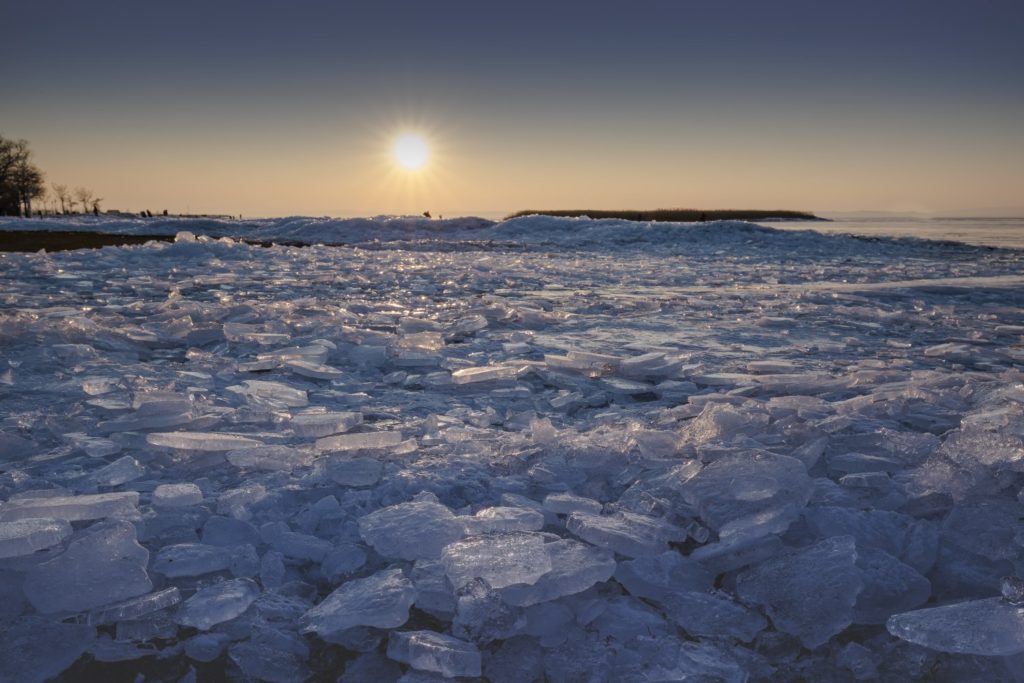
286	108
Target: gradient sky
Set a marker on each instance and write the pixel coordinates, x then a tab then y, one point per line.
278	108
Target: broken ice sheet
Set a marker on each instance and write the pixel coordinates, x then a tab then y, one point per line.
381	600
411	531
317	425
437	652
217	603
502	559
271	458
990	627
106	564
72	508
25	536
809	593
487	374
201	441
135	608
625	533
270	394
575	567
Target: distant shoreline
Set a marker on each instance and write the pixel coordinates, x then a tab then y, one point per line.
678	215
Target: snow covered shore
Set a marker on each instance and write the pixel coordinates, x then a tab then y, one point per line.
543	449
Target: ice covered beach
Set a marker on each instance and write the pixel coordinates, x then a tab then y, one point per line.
536	450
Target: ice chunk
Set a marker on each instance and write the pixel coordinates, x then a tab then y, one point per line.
501	518
500	559
353	471
33	650
986	528
808	593
657	576
411	531
706	614
93	446
218	603
177	495
990	627
120	471
325	424
736	552
724	422
889	586
300	546
271	458
307	368
912	541
433	592
105	565
430	651
227	531
735	487
271	394
200	441
482	617
206	647
72	508
381	600
626	533
351	442
276	658
487	374
25	536
566	503
235	501
191	559
575	567
341	560
135	607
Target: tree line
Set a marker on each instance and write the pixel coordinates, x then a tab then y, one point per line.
23	190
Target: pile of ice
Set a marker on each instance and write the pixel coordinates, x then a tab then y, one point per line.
282	464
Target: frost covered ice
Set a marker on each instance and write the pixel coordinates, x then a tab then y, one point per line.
541	449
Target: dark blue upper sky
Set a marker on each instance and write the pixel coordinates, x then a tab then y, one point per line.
276	107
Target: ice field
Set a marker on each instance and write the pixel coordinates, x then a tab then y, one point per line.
535	450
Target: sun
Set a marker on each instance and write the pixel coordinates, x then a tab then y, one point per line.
411	151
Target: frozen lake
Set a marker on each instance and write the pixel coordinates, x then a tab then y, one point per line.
545	449
992	232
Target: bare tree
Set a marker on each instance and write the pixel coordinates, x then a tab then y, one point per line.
44	194
60	192
84	197
96	205
27	181
14	163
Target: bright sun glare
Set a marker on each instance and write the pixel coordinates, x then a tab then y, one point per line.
411	151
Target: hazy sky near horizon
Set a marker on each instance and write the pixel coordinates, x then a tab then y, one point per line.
277	108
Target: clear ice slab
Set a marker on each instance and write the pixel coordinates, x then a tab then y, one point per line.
381	600
104	565
809	593
72	508
411	531
217	603
503	559
436	652
990	627
26	536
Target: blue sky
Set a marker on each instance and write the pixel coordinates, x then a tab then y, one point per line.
277	108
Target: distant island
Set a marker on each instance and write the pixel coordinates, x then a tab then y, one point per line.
681	215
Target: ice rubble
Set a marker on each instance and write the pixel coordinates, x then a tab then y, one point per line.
537	449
